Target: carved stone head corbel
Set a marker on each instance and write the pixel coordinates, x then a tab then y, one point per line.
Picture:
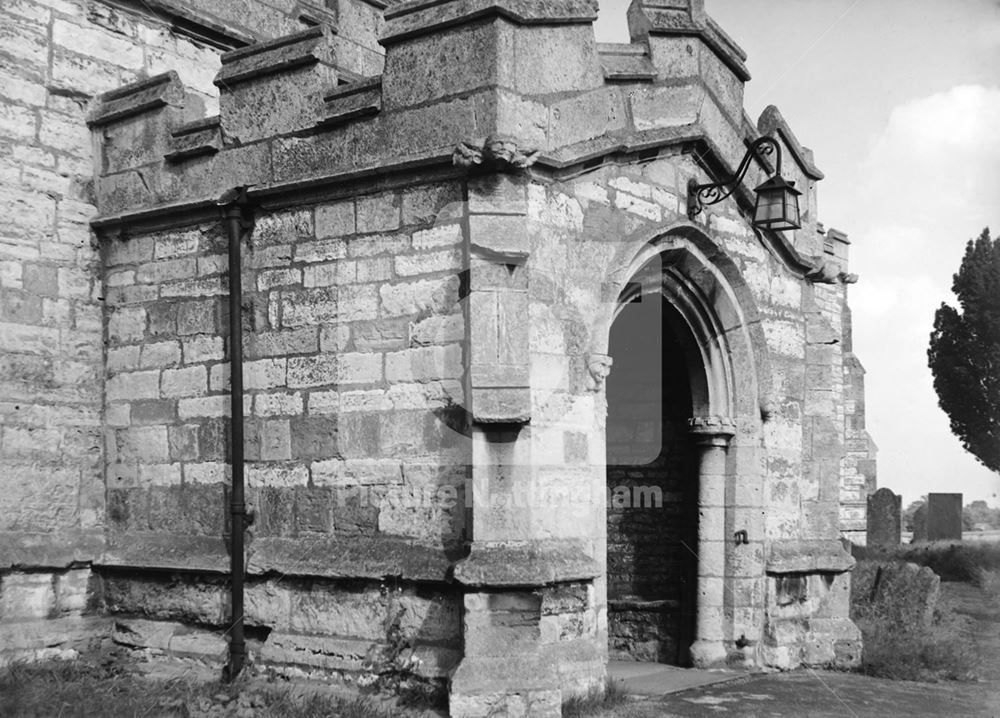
599	366
499	153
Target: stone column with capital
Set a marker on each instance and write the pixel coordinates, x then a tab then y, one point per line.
712	435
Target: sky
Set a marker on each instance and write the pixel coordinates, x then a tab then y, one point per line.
900	101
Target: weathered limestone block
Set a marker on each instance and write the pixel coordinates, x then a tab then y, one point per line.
684	42
487	686
137	120
276	87
358	99
201	137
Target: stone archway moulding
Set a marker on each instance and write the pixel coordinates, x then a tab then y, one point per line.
724	358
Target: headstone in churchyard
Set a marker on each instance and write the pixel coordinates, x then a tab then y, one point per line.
944	517
919	524
884	508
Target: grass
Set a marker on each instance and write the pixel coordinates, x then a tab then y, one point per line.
895	645
596	703
90	687
988	579
952	561
901	651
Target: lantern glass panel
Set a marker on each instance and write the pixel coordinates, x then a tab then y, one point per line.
777	206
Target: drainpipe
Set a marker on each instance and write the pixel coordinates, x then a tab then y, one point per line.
235	210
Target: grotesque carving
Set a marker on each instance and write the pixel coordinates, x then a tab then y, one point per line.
497	153
599	366
827	272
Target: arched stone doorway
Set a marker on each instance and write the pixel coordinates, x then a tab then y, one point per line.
713	333
653	486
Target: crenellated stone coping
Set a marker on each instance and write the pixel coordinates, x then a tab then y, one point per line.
771	121
138	98
802	556
348	102
201	137
526	563
837	236
314	14
418	17
626	63
280	55
655	18
564	163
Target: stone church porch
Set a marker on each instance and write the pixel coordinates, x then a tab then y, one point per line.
479	326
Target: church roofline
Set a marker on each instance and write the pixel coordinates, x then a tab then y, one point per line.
771	121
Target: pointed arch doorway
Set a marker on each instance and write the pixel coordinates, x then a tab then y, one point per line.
652	484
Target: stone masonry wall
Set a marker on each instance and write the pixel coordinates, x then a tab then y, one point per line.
354	338
55	56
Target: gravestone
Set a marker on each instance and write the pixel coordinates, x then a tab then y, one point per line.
944	517
884	508
919	524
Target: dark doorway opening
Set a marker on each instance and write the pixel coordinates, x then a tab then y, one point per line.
652	487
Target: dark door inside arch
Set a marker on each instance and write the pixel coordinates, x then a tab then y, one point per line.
652	488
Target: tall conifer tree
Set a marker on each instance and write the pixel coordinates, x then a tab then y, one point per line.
964	352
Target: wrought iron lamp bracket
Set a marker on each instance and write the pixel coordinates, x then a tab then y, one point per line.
702	195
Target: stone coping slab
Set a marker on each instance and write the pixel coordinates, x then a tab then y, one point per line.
771	121
527	563
419	17
285	53
362	557
138	97
801	556
47	550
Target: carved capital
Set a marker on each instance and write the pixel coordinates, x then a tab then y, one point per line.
498	152
599	366
712	430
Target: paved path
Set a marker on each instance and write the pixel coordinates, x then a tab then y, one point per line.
825	694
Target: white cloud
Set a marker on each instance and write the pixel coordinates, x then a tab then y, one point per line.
936	160
929	183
